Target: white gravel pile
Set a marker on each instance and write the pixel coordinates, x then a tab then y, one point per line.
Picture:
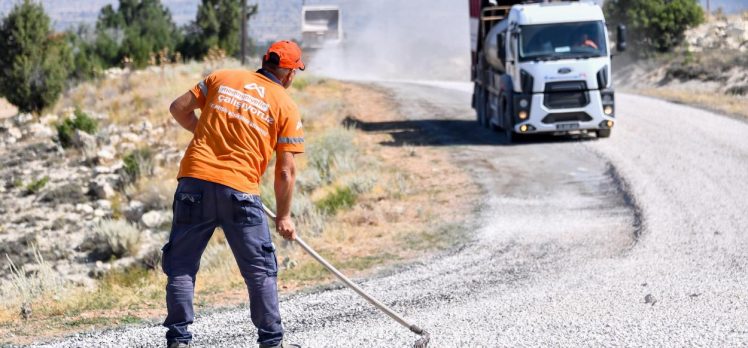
555	261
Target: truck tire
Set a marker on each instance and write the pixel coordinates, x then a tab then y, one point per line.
507	126
603	133
486	109
478	103
490	114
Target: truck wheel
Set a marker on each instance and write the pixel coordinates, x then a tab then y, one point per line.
508	135
603	133
508	127
487	112
478	104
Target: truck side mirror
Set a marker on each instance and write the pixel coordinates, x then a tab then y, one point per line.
621	38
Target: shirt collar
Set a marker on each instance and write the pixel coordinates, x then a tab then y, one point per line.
269	75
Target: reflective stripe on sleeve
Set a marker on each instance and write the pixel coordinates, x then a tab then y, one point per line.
203	88
288	140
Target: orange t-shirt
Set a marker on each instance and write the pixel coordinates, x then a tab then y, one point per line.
245	116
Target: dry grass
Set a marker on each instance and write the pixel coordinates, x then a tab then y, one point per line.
112	239
721	103
138	95
400	210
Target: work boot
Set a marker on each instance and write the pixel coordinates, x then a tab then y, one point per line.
283	344
177	344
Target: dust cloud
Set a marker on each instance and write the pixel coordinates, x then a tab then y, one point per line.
393	39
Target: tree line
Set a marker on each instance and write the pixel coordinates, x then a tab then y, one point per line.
36	63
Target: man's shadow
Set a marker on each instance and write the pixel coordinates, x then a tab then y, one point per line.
446	132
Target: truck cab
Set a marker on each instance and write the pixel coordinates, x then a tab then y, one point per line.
544	67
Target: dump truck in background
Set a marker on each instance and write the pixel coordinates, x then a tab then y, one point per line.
542	67
320	26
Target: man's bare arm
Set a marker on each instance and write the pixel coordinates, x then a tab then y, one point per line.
285	177
183	111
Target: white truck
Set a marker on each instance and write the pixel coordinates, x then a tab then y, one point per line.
542	67
320	26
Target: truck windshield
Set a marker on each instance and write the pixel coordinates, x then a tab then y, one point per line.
562	40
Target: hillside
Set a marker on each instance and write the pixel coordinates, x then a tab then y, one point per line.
710	70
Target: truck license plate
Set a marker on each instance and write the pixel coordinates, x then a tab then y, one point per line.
567	126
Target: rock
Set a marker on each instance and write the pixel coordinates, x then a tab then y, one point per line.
100	213
108	169
49	119
40	130
14	133
103	185
134	211
73	217
144	126
26	311
131	137
85	141
649	299
737	31
24	118
106	155
155	218
99	269
84	208
104	204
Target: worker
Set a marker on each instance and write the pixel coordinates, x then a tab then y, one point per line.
244	117
583	40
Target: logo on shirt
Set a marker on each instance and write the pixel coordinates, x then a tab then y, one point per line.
298	125
253	86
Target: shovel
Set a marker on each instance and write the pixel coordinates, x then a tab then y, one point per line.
420	343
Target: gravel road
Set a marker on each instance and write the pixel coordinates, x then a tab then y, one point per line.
636	240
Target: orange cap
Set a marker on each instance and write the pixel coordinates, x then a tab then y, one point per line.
289	54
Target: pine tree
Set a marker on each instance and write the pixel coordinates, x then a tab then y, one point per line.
655	25
137	29
34	62
217	24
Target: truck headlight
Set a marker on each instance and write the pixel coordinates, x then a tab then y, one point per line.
523	103
522	115
608	110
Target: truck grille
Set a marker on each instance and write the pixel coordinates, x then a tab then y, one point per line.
565	95
567	117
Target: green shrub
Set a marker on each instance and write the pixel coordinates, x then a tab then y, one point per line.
66	129
333	153
341	198
135	29
35	62
136	164
217	24
36	185
654	25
